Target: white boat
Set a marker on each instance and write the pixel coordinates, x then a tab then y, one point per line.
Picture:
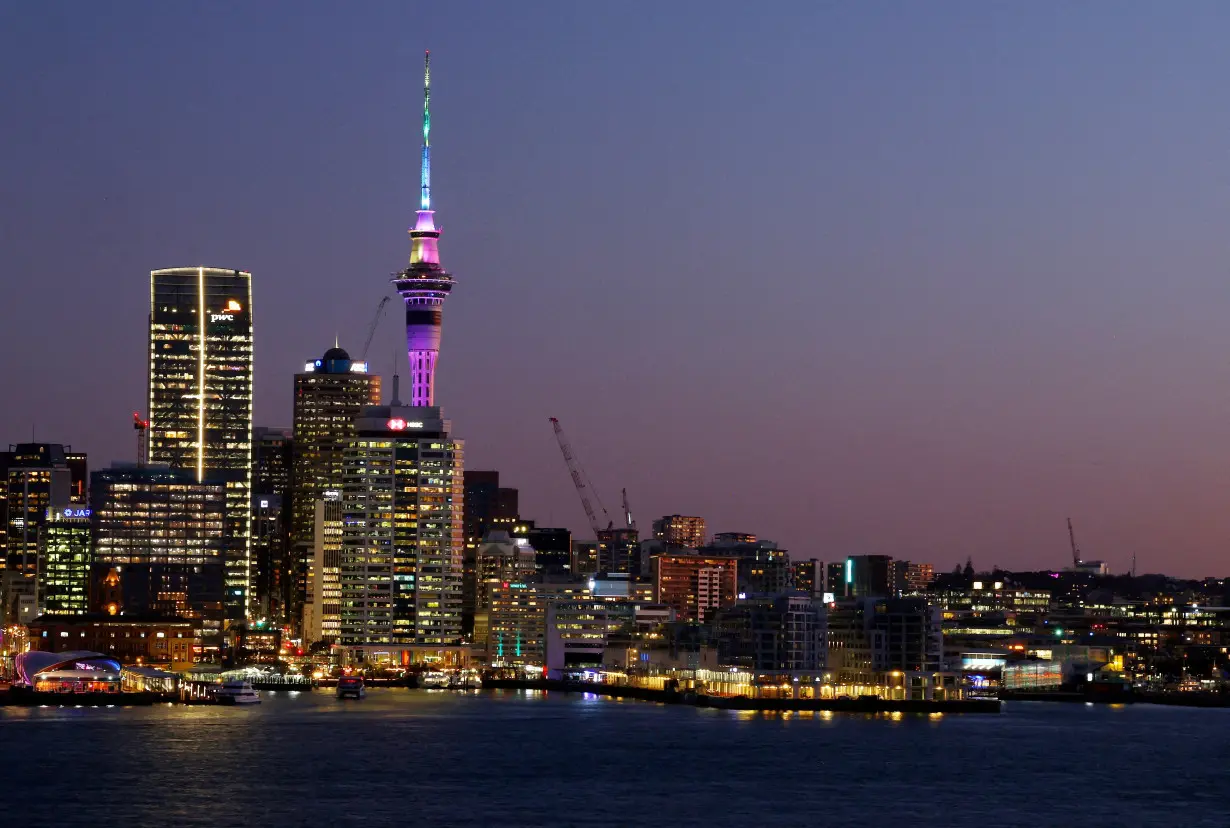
434	679
351	687
238	692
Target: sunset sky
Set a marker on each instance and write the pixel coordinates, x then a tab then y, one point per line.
918	279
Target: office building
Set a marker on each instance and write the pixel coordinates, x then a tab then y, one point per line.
66	555
402	541
424	285
322	609
619	551
487	506
38	479
160	539
330	394
518	618
552	548
870	576
680	530
763	568
500	558
917	577
694	586
271	481
200	398
584	558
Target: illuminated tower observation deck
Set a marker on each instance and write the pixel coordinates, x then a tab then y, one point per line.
424	285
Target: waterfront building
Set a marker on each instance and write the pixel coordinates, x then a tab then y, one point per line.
200	398
576	632
330	394
680	530
518	618
159	539
807	576
145	638
781	633
38	479
694	586
871	636
66	555
322	611
402	541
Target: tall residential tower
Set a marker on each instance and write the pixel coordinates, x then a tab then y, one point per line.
200	397
424	285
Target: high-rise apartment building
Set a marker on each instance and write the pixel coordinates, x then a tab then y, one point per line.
402	533
330	394
807	576
66	554
552	548
162	535
38	479
694	585
200	398
680	530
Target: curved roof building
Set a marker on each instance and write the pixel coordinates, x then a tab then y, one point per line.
72	666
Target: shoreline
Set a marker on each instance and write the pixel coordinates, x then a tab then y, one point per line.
860	705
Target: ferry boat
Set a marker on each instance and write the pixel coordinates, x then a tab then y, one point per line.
351	687
238	692
434	679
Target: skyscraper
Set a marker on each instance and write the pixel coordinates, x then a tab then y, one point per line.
330	394
39	478
200	397
402	541
322	606
271	465
424	285
67	553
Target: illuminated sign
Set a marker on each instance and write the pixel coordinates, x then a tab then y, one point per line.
76	513
222	317
398	424
233	305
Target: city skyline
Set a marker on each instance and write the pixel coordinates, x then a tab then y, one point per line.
990	301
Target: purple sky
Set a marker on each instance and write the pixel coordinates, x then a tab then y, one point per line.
877	277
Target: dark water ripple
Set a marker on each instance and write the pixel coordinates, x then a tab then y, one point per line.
413	758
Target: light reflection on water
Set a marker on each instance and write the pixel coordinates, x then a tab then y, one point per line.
516	759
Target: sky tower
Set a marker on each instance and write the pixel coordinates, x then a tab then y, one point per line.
424	285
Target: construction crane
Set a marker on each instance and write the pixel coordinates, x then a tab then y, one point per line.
371	332
1076	552
578	480
140	426
627	510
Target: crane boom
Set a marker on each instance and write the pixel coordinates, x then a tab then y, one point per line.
1076	552
371	332
627	510
578	479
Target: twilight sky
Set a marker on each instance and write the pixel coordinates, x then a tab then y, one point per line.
894	277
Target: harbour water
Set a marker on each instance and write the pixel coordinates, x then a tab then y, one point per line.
407	757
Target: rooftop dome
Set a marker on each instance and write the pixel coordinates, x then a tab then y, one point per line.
336	353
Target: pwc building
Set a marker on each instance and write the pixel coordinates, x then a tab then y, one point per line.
200	398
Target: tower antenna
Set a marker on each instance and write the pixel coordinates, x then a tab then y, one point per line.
425	200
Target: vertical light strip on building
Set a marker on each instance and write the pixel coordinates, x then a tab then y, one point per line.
200	404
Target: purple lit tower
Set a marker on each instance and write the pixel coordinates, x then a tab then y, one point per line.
424	285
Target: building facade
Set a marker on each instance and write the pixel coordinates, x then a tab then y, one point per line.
200	398
322	609
402	534
330	394
163	535
38	479
694	586
680	530
65	558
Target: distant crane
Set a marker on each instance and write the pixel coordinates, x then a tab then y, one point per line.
371	332
1076	552
578	480
627	510
140	426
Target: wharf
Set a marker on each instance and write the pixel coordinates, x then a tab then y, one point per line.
847	705
34	698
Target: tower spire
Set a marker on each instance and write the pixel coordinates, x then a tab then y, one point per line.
425	201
